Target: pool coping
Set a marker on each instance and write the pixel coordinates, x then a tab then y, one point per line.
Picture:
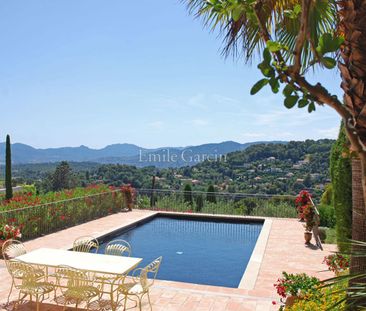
251	272
250	275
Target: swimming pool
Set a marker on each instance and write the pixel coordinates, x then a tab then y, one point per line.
209	251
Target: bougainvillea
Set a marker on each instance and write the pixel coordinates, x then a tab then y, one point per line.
337	262
295	284
302	200
10	232
43	214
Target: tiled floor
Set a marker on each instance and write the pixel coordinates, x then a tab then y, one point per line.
285	251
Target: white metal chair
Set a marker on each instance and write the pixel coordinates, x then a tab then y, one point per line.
139	285
10	250
85	244
76	287
118	248
26	279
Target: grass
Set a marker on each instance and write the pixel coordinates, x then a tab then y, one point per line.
331	236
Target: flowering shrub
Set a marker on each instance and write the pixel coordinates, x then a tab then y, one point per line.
337	262
295	284
27	199
302	200
322	299
306	210
39	215
309	216
10	232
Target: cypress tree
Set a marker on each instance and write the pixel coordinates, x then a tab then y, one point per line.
61	177
199	202
188	194
211	197
8	185
341	176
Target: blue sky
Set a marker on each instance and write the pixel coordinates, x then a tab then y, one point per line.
93	72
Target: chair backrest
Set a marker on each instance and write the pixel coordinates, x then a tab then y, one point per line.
118	248
12	249
149	273
73	278
22	273
85	244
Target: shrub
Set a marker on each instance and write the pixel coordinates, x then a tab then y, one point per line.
10	232
211	197
327	216
295	284
58	210
325	298
188	194
323	234
302	201
327	196
337	262
341	176
199	202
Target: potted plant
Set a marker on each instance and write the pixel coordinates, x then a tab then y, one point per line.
292	287
337	263
301	201
129	194
310	221
8	232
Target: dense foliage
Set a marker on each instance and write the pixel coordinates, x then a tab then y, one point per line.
341	176
31	198
229	204
260	169
37	215
323	299
295	284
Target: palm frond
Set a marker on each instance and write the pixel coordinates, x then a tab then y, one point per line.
238	25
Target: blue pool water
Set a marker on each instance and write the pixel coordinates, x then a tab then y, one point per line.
194	251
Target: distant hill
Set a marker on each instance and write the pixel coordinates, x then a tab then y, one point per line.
124	154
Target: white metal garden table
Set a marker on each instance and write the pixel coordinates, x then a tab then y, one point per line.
95	263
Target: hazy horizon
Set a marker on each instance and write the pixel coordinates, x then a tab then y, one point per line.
159	147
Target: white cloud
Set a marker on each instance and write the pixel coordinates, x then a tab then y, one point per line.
329	133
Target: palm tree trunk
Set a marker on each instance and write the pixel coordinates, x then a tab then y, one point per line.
352	15
358	264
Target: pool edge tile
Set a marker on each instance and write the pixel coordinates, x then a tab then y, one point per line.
250	275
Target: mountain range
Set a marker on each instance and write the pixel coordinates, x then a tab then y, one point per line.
125	154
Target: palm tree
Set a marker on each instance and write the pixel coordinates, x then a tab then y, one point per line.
294	36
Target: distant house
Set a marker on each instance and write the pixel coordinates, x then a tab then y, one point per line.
257	178
271	159
275	170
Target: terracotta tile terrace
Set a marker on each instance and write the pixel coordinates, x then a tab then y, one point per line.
283	249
